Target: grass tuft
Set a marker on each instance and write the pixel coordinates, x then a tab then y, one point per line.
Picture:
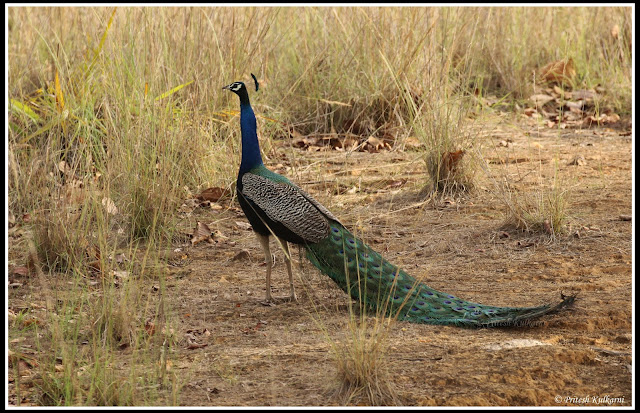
541	211
363	365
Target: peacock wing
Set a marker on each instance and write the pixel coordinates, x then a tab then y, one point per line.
287	205
318	205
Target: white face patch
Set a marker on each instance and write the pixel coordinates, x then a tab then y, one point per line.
235	86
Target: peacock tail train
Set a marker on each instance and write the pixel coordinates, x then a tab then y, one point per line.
364	274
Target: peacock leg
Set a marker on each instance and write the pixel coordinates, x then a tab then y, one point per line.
264	241
287	260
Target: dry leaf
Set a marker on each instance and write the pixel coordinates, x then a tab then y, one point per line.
575	107
540	99
413	142
192	345
578	160
121	275
450	161
120	258
559	91
305	142
592	120
219	236
109	206
561	71
613	118
202	232
374	144
212	194
150	327
64	167
295	134
583	94
243	225
615	31
19	271
188	206
396	184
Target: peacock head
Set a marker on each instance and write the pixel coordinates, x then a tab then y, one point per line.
239	87
236	87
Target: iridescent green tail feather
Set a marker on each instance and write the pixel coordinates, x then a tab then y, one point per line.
368	277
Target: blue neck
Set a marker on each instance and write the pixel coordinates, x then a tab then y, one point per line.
250	147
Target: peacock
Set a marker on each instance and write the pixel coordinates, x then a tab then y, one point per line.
277	207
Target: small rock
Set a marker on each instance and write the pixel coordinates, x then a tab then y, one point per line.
578	160
241	255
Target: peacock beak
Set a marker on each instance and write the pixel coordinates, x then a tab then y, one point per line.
227	87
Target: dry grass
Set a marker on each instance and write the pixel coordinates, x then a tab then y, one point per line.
123	107
545	211
362	364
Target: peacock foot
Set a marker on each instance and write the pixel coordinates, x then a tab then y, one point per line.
273	301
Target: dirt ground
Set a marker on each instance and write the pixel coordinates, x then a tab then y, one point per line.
260	355
249	354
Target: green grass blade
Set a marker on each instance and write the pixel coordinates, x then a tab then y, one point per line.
172	91
97	51
23	109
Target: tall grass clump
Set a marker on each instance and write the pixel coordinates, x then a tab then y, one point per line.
362	363
544	210
439	121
